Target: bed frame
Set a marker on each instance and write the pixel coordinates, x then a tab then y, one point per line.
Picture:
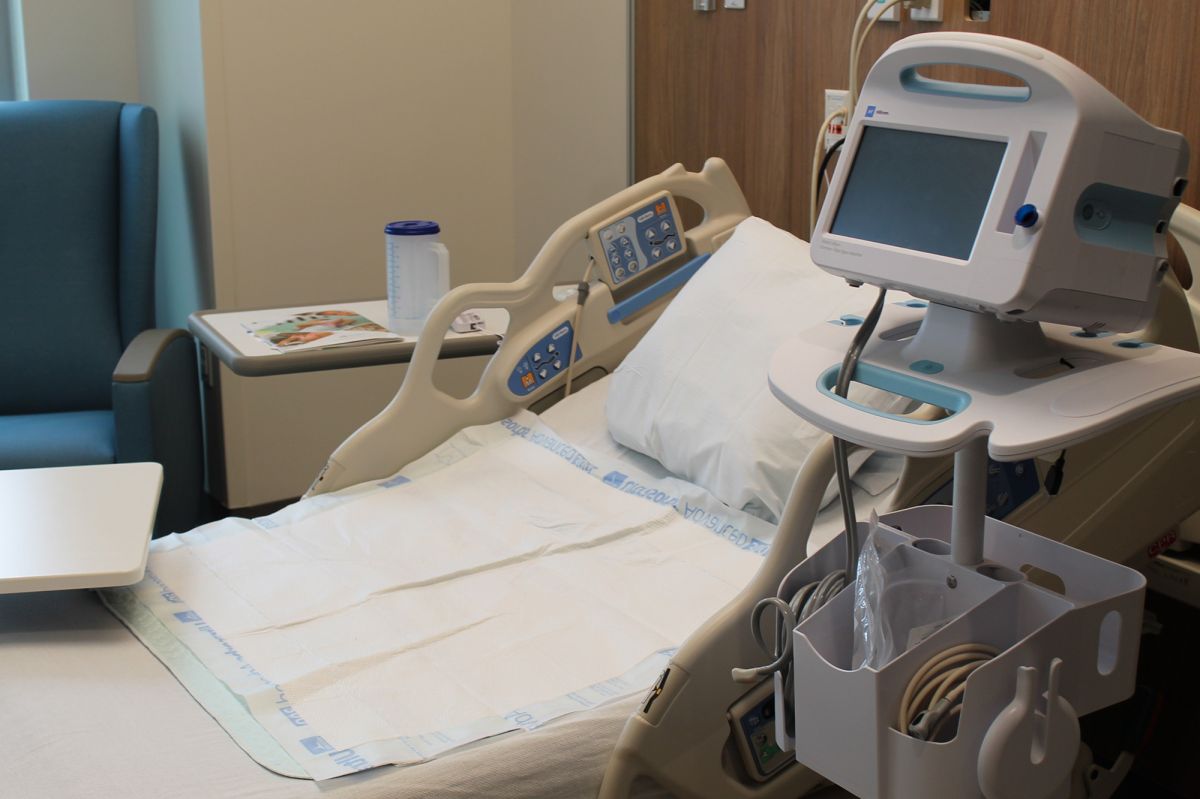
1121	492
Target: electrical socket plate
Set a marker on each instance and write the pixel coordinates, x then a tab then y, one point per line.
931	11
891	15
834	99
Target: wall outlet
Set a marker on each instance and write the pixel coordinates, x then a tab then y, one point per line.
924	10
834	99
891	15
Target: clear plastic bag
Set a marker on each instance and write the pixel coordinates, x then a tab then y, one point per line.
896	604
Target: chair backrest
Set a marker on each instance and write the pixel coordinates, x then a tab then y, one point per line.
78	209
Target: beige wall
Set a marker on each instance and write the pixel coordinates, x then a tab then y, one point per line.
80	49
170	77
338	117
325	121
570	111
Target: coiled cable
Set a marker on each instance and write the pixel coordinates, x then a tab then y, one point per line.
934	695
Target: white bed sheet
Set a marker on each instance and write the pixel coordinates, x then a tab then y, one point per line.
89	712
575	420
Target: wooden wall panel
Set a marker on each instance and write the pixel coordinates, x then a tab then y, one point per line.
749	85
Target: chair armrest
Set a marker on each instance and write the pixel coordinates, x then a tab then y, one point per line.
156	408
140	358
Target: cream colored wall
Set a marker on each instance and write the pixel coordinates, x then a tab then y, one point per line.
170	76
570	111
78	50
338	117
326	120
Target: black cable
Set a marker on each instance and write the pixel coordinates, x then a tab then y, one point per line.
829	157
1054	477
840	454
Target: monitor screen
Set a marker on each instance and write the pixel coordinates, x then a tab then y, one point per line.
921	191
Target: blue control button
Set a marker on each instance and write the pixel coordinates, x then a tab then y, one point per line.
1026	215
543	362
926	367
1133	344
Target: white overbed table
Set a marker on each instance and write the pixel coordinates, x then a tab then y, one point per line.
224	334
76	526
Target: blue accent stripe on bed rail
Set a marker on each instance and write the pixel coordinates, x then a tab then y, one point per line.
647	296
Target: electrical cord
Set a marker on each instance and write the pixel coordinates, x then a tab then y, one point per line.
856	53
852	82
829	154
1054	476
818	152
858	38
814	595
934	694
581	295
840	451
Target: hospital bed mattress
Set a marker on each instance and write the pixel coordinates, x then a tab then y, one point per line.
88	711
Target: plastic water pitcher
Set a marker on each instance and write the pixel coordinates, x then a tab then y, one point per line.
418	273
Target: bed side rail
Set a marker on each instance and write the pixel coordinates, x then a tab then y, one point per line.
421	416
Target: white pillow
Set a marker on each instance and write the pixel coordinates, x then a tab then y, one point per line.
693	393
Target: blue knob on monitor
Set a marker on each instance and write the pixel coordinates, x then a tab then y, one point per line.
1026	215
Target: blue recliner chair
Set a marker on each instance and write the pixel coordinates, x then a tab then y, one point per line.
84	376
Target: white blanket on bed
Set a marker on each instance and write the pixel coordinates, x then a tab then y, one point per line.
503	580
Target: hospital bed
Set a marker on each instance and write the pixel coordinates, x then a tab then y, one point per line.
89	710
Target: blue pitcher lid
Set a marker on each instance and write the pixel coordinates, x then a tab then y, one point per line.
412	227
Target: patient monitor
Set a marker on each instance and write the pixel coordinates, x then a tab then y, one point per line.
1048	200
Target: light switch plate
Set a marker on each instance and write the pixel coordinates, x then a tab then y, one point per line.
891	15
930	12
835	99
735	3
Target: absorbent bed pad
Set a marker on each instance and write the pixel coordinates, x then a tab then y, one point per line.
503	580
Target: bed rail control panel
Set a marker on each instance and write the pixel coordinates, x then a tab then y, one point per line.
544	361
753	721
638	240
